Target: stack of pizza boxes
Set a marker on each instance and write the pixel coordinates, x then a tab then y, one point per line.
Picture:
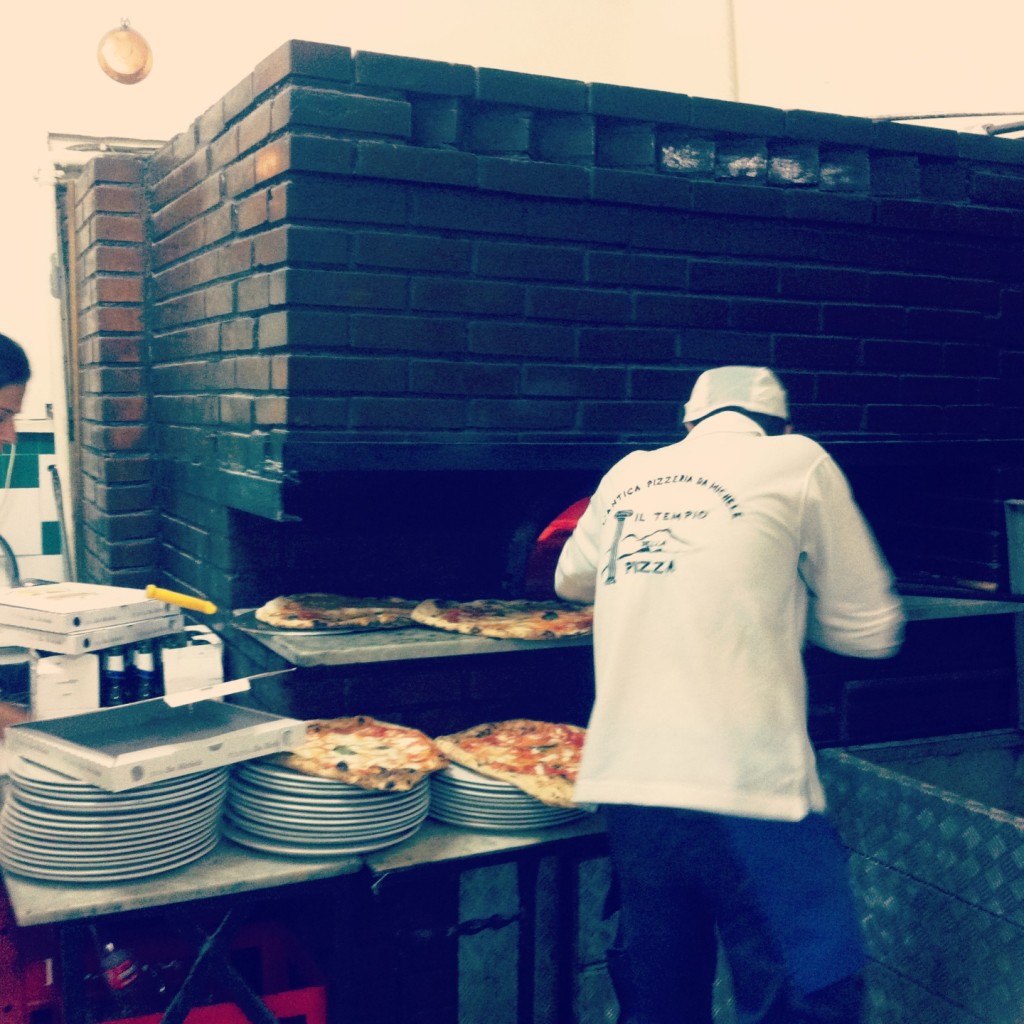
80	618
63	630
130	745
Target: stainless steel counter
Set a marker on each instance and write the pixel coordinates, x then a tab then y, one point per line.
228	869
231	869
233	873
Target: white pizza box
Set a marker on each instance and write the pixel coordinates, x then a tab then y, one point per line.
64	684
73	607
138	744
95	638
191	659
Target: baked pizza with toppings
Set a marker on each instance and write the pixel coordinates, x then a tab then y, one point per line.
364	752
507	620
335	611
540	758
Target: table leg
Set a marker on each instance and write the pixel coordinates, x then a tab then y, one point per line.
347	908
211	957
567	938
1018	637
71	947
527	870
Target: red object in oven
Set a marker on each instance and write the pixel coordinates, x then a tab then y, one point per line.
540	566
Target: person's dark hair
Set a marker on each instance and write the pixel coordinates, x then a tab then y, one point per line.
14	368
771	425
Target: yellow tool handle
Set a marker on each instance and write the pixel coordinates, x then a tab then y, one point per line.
194	604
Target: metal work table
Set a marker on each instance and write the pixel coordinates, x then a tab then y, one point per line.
231	871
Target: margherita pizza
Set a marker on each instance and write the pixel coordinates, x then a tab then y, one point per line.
508	620
335	611
540	758
364	752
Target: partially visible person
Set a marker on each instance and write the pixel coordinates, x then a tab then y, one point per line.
14	376
710	563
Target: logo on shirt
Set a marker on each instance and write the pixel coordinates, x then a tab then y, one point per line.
650	545
634	554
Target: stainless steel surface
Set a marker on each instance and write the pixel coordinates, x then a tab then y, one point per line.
923	608
308	650
232	869
227	869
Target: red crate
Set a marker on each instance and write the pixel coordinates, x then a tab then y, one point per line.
26	968
299	1006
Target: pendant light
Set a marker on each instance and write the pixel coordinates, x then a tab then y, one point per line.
125	55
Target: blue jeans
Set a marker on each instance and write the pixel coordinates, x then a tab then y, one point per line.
775	893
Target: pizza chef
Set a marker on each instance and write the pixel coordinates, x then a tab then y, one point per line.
697	747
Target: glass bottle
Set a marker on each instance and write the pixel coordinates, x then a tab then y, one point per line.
114	679
147	678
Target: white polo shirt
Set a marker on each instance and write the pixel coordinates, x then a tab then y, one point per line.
710	563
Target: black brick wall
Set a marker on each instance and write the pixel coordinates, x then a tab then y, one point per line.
360	261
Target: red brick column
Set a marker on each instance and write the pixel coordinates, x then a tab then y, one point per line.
118	519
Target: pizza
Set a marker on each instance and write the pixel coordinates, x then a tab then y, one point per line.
507	620
335	611
540	758
364	752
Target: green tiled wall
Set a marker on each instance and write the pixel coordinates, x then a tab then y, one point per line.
51	538
26	459
25	476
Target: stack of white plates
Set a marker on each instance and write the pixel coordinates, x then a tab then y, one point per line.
56	828
463	797
278	810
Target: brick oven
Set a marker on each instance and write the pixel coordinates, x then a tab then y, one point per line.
369	323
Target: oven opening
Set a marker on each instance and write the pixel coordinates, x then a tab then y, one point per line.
452	535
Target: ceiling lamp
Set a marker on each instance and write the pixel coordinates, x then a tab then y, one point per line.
124	55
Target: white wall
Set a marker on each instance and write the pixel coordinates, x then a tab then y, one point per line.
874	58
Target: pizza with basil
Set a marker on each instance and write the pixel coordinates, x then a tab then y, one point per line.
540	758
364	752
507	620
315	611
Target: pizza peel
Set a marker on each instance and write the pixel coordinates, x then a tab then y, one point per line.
189	603
193	604
248	623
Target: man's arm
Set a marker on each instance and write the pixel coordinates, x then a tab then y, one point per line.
854	608
576	571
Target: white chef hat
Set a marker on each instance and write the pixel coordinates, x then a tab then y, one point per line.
753	388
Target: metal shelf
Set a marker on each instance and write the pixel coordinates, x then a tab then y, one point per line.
921	608
313	650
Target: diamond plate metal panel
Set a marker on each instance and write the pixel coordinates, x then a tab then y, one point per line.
940	881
